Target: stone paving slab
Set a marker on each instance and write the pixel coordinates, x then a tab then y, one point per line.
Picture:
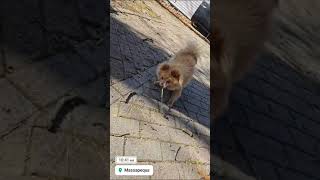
145	150
166	171
120	126
65	156
52	56
94	92
174	144
118	147
154	131
29	149
39	76
88	122
24	39
13	148
11	114
270	127
94	54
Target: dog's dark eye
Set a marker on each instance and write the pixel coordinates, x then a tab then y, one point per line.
168	82
161	78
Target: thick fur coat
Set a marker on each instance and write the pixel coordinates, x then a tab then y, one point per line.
240	28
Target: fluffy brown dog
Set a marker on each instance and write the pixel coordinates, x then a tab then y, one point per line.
240	28
177	72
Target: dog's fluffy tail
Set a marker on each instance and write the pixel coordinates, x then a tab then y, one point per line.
190	49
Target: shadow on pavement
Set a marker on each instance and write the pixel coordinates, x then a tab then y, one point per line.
271	130
49	50
133	53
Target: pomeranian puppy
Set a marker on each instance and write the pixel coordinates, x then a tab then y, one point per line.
177	72
240	29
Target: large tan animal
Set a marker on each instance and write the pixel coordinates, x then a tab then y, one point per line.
240	28
175	73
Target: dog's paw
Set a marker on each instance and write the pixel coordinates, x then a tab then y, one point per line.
170	104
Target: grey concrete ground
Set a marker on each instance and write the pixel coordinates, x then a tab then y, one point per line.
177	147
272	128
52	77
52	70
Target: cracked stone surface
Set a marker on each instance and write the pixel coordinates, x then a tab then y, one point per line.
50	51
174	145
13	148
11	114
271	129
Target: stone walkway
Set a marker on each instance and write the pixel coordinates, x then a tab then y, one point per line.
52	92
31	99
177	146
272	129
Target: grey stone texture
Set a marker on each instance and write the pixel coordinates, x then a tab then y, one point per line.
15	107
52	52
172	144
144	149
13	148
271	129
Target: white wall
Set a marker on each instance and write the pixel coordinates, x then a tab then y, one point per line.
187	7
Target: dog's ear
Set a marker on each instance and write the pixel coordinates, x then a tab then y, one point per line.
164	67
175	74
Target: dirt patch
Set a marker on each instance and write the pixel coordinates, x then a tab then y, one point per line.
136	6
